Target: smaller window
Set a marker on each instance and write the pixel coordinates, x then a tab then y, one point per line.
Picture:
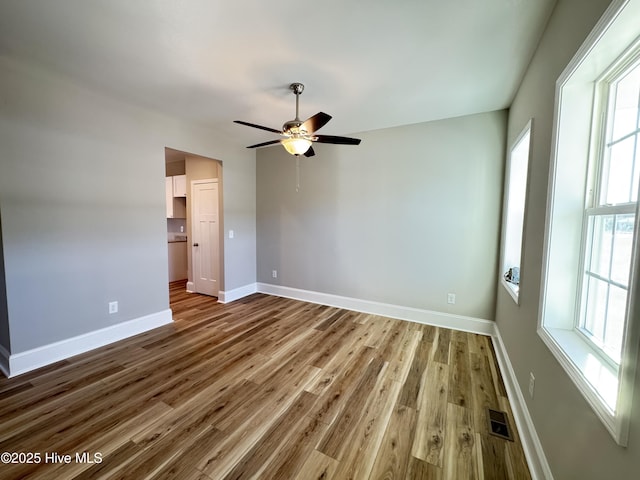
514	204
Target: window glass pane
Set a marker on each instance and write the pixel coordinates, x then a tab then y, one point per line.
596	307
601	228
626	104
617	178
616	309
622	248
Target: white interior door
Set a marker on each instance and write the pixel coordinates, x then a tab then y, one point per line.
205	236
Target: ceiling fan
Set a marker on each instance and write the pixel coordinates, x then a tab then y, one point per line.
299	135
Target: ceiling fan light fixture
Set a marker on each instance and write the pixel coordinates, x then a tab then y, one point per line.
299	135
296	145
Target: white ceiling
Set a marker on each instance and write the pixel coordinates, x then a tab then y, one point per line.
371	64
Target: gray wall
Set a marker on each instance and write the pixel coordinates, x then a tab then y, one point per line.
82	205
406	217
574	440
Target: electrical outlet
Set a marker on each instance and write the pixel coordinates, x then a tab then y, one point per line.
113	307
451	298
532	384
274	273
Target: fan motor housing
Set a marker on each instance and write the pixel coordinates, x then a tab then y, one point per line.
297	88
293	127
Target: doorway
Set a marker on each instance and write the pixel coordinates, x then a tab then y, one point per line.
202	223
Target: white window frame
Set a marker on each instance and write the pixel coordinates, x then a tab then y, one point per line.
609	390
513	217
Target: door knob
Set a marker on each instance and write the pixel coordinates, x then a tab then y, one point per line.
195	244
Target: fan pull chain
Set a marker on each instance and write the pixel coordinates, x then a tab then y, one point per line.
297	173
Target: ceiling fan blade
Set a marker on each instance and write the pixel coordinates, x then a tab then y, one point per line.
315	123
264	144
309	153
268	129
337	140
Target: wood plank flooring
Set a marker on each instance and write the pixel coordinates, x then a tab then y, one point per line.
265	388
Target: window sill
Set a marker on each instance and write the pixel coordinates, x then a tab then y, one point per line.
593	376
513	290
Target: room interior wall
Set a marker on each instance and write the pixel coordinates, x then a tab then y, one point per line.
405	218
575	442
82	205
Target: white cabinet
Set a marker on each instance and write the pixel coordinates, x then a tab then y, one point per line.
176	205
180	186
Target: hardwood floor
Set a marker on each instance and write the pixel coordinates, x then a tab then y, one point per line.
265	388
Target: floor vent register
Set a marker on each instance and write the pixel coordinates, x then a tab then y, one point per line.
498	424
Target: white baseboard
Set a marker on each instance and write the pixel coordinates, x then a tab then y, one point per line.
236	293
191	287
536	459
438	319
38	357
4	361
